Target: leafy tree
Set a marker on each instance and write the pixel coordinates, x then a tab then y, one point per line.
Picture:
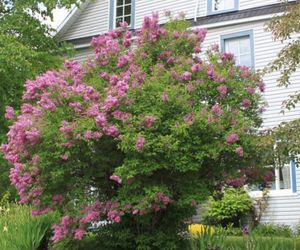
286	135
283	27
27	49
136	136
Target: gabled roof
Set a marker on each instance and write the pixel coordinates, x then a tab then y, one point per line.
71	18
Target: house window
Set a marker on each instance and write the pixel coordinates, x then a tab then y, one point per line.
221	6
284	179
121	11
241	45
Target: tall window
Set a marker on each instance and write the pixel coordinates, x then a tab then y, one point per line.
241	45
219	6
123	12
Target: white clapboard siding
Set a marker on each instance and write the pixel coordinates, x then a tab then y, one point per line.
83	54
93	20
145	8
265	50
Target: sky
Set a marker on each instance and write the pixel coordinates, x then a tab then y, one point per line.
59	16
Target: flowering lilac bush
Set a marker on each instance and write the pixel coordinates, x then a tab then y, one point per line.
136	136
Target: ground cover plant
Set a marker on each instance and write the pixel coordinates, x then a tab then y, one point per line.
133	136
19	230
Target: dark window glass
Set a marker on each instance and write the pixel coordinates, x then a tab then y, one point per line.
128	10
128	19
119	11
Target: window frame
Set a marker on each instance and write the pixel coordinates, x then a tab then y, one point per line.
281	192
211	11
113	13
237	35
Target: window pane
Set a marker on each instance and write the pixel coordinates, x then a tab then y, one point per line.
128	10
285	177
127	1
119	2
245	60
229	4
232	46
219	5
118	21
245	45
241	48
119	11
128	19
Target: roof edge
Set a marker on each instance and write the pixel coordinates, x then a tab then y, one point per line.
70	19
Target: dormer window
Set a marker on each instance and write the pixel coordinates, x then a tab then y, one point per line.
121	11
221	6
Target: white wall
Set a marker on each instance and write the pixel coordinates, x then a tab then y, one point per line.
94	19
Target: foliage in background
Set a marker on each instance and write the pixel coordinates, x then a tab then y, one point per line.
270	230
229	207
111	140
283	27
19	230
27	49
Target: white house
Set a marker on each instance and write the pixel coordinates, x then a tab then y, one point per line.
238	26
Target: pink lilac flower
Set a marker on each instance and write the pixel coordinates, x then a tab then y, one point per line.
222	89
33	136
165	97
101	119
261	86
239	150
246	103
148	121
227	57
88	134
79	233
216	109
189	118
190	87
186	76
230	139
210	72
215	47
237	182
116	179
250	90
140	142
176	34
196	67
197	50
64	157
135	211
9	113
111	130
57	199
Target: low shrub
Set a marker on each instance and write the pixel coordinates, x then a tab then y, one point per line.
272	230
19	230
228	208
